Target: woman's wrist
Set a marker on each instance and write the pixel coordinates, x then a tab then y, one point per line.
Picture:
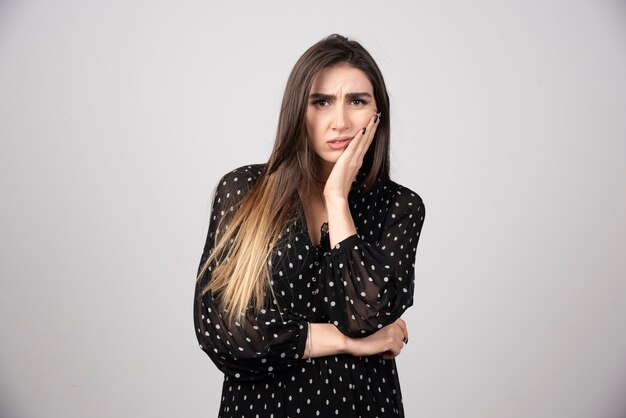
340	222
325	339
335	200
348	345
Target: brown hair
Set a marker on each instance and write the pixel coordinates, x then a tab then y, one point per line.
244	248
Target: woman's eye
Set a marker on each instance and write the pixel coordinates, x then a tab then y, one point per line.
358	102
320	102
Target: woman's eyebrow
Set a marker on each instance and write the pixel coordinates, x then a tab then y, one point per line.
330	97
352	96
322	96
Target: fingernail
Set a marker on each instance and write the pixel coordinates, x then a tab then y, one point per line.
363	131
375	118
380	115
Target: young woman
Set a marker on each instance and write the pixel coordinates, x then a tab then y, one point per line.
309	258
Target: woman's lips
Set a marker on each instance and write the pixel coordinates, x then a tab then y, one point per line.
340	142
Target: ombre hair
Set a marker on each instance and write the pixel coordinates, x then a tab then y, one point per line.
246	237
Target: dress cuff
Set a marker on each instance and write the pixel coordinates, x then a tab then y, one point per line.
304	334
344	244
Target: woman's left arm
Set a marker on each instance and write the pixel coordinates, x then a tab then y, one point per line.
368	286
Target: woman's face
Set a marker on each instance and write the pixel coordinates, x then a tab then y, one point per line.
341	102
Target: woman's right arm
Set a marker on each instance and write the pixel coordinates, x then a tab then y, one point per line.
325	340
257	345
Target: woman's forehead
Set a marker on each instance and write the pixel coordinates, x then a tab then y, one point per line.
341	79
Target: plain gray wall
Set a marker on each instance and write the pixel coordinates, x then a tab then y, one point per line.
117	118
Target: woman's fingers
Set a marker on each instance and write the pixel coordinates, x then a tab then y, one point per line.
349	162
365	139
362	140
402	324
388	341
393	351
395	347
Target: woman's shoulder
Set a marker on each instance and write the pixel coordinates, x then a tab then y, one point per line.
242	177
399	195
248	173
233	185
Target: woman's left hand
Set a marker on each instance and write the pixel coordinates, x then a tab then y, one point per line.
349	162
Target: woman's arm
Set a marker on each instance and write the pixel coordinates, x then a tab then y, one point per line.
324	340
327	340
258	344
367	286
339	183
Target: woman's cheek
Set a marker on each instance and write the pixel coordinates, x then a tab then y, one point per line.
364	115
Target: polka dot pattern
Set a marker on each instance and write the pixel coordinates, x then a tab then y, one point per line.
361	284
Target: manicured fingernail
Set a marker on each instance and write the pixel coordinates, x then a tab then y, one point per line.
363	131
379	114
375	118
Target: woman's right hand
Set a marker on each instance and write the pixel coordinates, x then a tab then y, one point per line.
388	341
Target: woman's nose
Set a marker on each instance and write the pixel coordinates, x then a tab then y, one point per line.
340	119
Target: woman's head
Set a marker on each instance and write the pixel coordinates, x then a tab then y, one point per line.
326	69
341	102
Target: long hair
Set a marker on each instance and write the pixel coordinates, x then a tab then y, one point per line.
246	237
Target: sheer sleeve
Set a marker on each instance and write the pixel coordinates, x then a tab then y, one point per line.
257	346
367	286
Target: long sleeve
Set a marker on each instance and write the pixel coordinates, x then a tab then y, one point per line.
257	346
366	286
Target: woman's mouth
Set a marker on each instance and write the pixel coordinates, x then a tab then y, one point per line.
340	142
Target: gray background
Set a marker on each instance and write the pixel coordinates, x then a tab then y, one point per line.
117	119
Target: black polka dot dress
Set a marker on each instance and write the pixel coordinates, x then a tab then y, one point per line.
362	284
